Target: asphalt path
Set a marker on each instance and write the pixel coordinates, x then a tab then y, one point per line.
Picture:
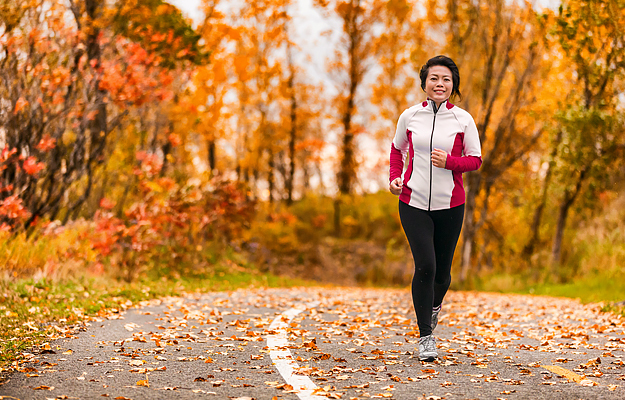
337	343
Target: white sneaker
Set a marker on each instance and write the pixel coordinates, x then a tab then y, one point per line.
427	348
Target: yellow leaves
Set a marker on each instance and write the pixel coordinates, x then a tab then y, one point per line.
434	14
143	382
47	349
241	64
593	362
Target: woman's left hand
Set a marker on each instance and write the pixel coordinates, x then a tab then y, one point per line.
439	158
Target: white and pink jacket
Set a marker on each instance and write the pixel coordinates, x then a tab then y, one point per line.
422	128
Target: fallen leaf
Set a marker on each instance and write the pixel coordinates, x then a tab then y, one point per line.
143	382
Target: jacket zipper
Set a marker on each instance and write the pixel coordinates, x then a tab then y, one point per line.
431	149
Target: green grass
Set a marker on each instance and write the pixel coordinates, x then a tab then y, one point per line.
603	286
593	289
29	309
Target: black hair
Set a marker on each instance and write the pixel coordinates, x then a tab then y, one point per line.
445	62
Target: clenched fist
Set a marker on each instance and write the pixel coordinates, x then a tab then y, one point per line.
439	158
395	186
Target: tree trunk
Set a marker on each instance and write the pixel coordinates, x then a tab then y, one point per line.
469	229
166	149
270	175
565	205
528	250
346	174
337	217
355	65
211	157
556	250
306	178
293	128
348	165
96	129
292	140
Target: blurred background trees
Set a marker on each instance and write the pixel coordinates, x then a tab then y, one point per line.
166	137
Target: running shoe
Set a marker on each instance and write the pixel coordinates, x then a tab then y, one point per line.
427	348
435	312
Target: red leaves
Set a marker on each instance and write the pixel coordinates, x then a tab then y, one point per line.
19	105
46	143
6	155
165	215
136	77
12	208
32	167
151	164
107	204
175	140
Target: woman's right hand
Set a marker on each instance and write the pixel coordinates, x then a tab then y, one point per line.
395	186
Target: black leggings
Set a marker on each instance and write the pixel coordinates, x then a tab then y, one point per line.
433	236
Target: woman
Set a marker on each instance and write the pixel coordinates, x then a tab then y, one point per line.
442	142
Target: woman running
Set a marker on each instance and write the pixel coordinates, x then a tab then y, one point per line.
442	142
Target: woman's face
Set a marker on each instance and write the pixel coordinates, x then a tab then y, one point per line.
438	84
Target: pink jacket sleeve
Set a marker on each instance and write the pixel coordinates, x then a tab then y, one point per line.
471	159
463	164
399	148
396	163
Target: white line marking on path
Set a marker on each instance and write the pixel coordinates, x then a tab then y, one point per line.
283	359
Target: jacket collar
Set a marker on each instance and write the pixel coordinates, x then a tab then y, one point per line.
444	105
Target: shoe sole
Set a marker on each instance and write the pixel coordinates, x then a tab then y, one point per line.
428	358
